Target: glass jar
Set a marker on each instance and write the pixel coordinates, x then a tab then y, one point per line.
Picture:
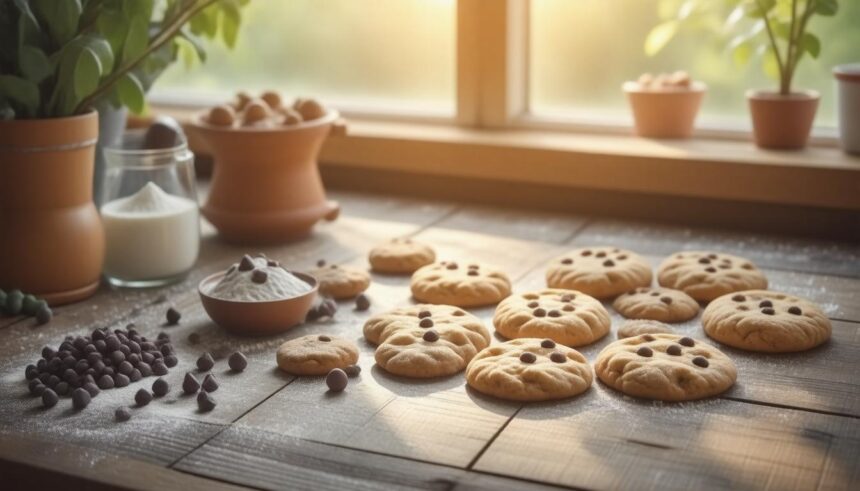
150	213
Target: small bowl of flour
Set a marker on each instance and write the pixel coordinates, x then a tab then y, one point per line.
257	296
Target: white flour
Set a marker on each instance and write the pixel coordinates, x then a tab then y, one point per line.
238	286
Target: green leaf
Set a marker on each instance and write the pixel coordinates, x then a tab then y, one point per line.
230	24
782	30
20	91
34	64
61	17
741	52
130	93
137	9
88	72
810	44
660	36
137	39
114	28
103	50
826	7
758	8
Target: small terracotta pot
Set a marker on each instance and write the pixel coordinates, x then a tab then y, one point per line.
51	238
666	113
266	186
782	121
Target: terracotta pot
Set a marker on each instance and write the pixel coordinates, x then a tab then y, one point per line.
266	186
782	121
666	113
848	82
51	237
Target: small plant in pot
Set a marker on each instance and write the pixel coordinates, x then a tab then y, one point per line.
58	59
779	31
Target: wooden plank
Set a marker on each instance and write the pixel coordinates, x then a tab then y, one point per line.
259	458
25	464
798	254
602	440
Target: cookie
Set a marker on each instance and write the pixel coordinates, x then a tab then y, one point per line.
400	256
461	284
426	353
316	354
666	367
658	304
706	275
529	369
636	327
568	317
341	282
379	327
602	272
773	322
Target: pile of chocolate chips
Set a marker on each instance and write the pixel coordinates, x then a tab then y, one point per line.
102	360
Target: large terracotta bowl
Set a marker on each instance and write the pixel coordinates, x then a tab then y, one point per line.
266	186
257	318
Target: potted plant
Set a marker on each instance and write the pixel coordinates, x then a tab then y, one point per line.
779	29
58	59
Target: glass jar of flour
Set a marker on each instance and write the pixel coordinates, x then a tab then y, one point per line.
150	213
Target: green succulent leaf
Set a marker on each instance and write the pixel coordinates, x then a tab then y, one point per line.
22	92
131	94
660	36
811	44
230	25
826	7
34	64
88	72
136	40
60	16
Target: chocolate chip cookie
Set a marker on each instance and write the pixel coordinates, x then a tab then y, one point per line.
529	369
425	353
636	327
340	282
706	275
666	367
316	354
400	256
467	284
568	317
758	320
655	303
602	272
380	327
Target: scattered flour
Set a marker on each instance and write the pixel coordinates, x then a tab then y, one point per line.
238	286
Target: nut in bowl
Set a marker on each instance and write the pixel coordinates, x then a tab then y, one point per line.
666	105
257	297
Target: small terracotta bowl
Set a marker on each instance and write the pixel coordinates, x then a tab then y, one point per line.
668	113
257	318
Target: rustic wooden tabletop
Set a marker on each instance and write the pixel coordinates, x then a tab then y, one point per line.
791	421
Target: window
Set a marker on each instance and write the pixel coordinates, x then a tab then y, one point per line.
384	54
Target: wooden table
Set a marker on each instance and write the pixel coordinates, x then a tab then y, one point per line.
791	421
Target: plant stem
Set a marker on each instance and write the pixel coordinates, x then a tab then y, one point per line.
798	36
774	46
785	85
156	42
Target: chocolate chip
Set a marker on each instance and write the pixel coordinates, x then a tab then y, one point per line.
473	272
423	314
608	263
173	316
171	361
31	372
259	276
62	388
204	363
120	380
246	263
272	264
567	260
586	253
205	402
674	350
600	254
105	382
352	371
125	367
193	338
431	336
80	399
711	269
527	357
645	351
321	263
621	257
554	313
190	384
143	397
337	380
765	303
362	302
567	297
144	368
568	308
701	361
237	362
333	266
49	398
666	300
704	260
539	312
647	337
739	298
532	305
160	387
547	343
36	387
557	357
451	266
327	308
112	343
159	368
91	388
688	342
425	323
655	294
794	310
122	414
324	338
768	311
209	383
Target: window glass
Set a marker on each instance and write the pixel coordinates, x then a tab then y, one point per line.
370	53
583	50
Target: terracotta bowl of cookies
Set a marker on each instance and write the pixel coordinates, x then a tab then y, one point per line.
257	318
